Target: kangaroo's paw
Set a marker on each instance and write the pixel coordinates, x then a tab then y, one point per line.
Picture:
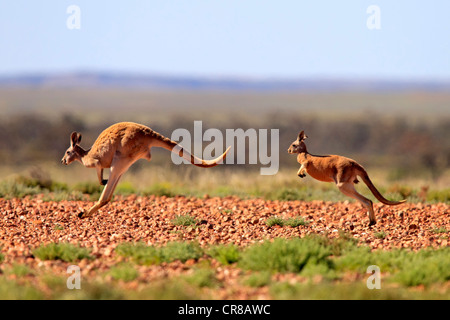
104	182
84	214
372	223
302	175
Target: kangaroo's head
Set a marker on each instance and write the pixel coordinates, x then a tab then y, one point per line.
74	152
298	146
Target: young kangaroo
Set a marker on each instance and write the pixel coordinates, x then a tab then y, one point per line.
118	147
340	170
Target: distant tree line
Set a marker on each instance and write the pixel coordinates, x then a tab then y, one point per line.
373	140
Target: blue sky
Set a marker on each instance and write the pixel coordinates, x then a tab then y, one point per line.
251	38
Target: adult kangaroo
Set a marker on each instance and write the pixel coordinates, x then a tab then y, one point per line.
340	170
117	148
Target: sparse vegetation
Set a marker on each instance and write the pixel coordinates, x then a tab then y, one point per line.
308	257
61	251
380	235
19	270
290	222
225	254
284	186
184	220
202	278
125	272
147	255
275	221
258	279
282	255
409	268
161	189
440	230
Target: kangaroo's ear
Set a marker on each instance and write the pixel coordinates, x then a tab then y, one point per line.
75	138
302	136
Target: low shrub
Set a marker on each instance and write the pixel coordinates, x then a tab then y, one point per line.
286	255
61	251
225	254
184	220
124	272
290	222
146	255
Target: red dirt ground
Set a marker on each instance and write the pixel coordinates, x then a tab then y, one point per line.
28	223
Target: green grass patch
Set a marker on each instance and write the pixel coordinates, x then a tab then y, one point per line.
202	277
90	188
439	195
424	268
161	189
225	254
20	270
409	268
184	220
61	251
20	188
331	258
288	194
125	188
290	222
304	193
380	235
125	272
284	187
331	261
295	222
12	189
328	290
51	287
13	290
147	255
307	256
286	255
440	230
258	279
139	253
275	221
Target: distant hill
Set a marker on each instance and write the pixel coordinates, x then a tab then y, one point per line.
129	80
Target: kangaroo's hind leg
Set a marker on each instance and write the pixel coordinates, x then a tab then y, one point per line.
118	168
348	189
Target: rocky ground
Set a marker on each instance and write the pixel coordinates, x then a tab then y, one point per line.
30	222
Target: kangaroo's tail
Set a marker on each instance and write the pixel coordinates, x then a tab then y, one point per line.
166	143
365	177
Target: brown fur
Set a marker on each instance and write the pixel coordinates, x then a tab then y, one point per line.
340	170
117	148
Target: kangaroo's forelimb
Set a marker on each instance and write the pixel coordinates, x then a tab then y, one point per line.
100	176
301	172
